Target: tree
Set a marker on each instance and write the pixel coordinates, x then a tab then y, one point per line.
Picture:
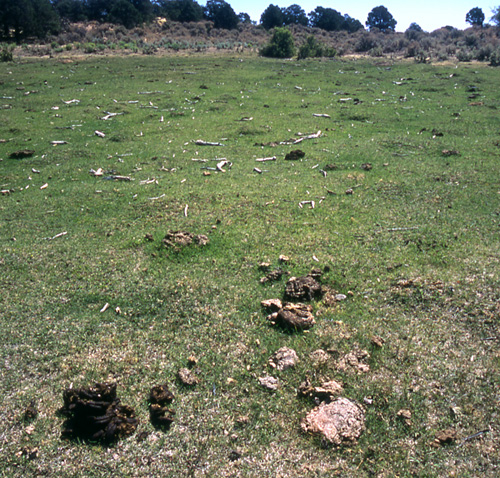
245	18
222	14
475	17
294	14
327	19
380	18
25	18
281	44
181	10
414	27
124	13
71	10
496	16
272	17
351	24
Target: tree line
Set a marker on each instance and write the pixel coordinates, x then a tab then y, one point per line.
21	19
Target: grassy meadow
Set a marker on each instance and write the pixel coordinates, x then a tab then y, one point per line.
412	242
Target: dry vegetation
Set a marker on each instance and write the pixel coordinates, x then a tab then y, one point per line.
447	43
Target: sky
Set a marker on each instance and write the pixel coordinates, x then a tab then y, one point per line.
430	15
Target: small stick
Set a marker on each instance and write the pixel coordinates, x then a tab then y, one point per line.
106	305
159	197
470	437
186	211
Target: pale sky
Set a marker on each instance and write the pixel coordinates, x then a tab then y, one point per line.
430	15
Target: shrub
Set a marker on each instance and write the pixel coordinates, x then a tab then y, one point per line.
312	48
495	58
365	43
6	53
464	55
281	44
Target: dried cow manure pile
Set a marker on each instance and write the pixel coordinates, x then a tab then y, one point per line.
295	155
337	422
178	239
159	397
304	288
95	413
22	153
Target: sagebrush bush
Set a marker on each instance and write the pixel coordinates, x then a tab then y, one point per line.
312	48
6	53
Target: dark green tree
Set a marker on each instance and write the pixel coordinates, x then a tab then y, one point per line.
181	10
351	24
475	17
496	16
272	17
327	19
414	27
71	10
244	18
382	19
28	18
295	15
281	44
222	14
124	13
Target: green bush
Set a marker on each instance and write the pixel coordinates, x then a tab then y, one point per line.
6	53
312	48
495	58
281	44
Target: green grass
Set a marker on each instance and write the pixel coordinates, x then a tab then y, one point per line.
416	215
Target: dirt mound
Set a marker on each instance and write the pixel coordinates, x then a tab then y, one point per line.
283	359
95	413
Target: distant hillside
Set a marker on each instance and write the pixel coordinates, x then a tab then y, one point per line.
166	36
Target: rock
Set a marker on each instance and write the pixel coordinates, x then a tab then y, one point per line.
306	287
283	359
269	382
187	377
337	422
293	317
295	155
